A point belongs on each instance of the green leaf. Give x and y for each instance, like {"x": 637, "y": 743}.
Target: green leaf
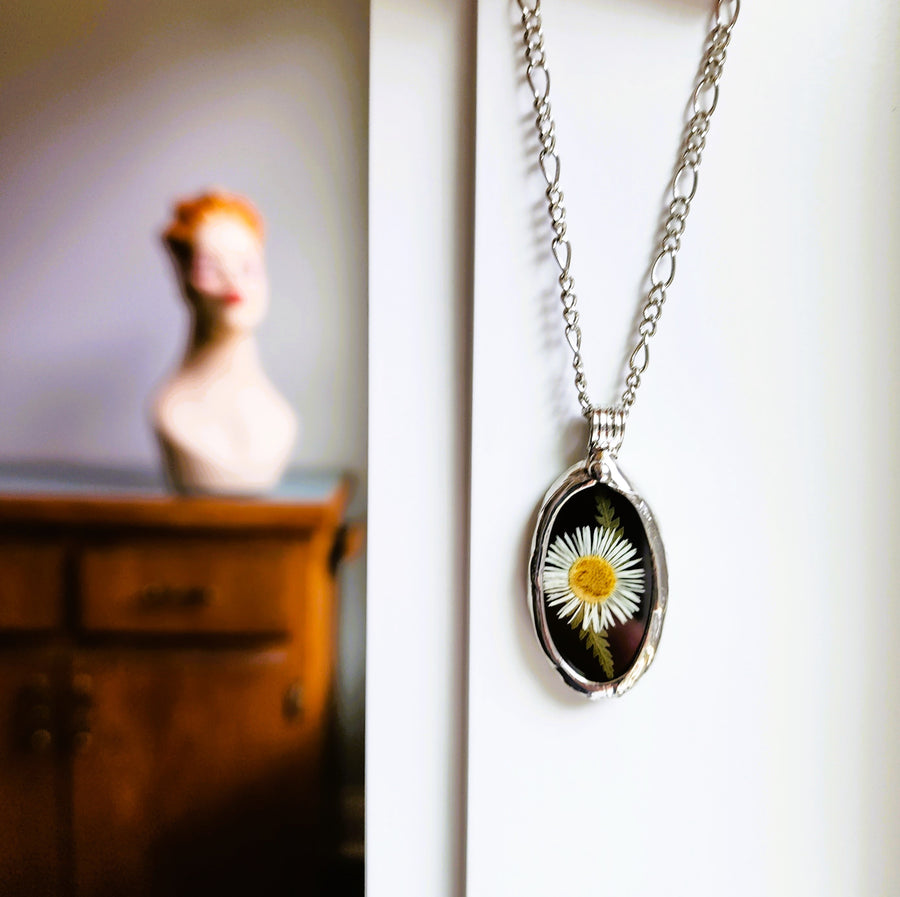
{"x": 606, "y": 516}
{"x": 599, "y": 645}
{"x": 577, "y": 617}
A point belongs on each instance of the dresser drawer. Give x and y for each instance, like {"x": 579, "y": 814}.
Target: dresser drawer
{"x": 31, "y": 585}
{"x": 191, "y": 585}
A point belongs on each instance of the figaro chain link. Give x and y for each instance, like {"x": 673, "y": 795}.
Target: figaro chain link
{"x": 682, "y": 192}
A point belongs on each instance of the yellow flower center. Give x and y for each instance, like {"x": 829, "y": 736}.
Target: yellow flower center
{"x": 592, "y": 579}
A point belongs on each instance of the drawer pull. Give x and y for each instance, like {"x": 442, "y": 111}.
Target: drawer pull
{"x": 81, "y": 705}
{"x": 292, "y": 703}
{"x": 35, "y": 713}
{"x": 41, "y": 741}
{"x": 158, "y": 597}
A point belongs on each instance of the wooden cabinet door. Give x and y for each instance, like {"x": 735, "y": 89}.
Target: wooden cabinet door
{"x": 198, "y": 773}
{"x": 32, "y": 779}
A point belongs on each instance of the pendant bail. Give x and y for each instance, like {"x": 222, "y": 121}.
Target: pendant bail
{"x": 607, "y": 432}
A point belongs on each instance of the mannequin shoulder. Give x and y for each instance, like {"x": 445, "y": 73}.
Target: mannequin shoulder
{"x": 174, "y": 406}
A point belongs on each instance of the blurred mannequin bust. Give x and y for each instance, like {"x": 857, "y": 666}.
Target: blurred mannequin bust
{"x": 222, "y": 425}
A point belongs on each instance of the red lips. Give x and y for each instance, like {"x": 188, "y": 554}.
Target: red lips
{"x": 231, "y": 298}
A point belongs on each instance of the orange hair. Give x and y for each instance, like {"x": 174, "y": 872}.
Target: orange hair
{"x": 191, "y": 213}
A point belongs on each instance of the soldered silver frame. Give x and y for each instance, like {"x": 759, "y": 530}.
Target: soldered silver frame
{"x": 577, "y": 478}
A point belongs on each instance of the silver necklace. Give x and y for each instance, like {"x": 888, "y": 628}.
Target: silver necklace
{"x": 598, "y": 569}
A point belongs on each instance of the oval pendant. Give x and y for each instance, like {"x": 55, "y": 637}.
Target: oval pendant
{"x": 598, "y": 580}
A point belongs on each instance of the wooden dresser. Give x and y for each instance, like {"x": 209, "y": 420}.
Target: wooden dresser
{"x": 166, "y": 671}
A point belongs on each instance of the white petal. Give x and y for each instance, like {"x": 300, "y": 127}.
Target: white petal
{"x": 620, "y": 553}
{"x": 633, "y": 563}
{"x": 606, "y": 620}
{"x": 621, "y": 616}
{"x": 631, "y": 594}
{"x": 606, "y": 542}
{"x": 568, "y": 543}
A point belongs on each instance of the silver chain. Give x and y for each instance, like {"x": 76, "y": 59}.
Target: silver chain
{"x": 683, "y": 190}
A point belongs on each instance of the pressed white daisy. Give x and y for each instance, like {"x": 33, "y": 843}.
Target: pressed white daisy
{"x": 590, "y": 578}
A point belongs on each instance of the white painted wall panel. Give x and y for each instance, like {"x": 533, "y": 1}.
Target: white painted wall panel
{"x": 759, "y": 755}
{"x": 420, "y": 274}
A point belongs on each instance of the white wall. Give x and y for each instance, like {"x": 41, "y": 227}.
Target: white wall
{"x": 111, "y": 110}
{"x": 760, "y": 753}
{"x": 420, "y": 172}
